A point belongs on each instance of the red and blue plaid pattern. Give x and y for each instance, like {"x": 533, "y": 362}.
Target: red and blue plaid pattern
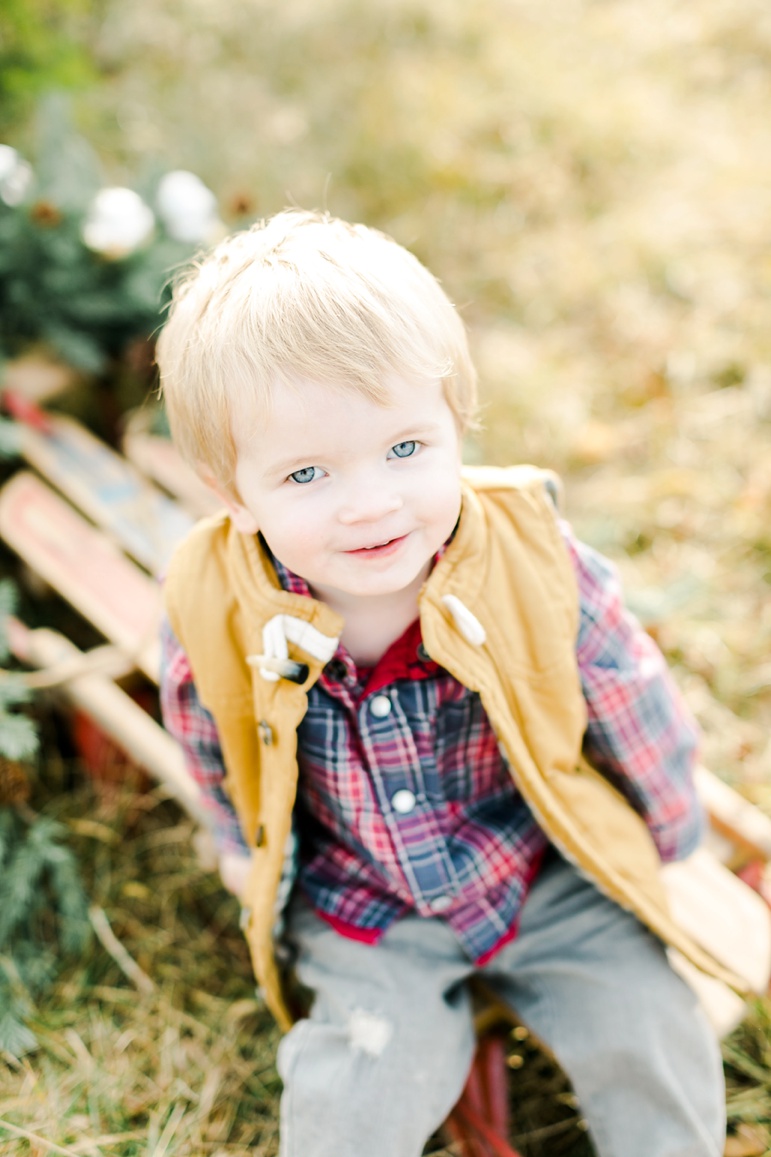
{"x": 405, "y": 803}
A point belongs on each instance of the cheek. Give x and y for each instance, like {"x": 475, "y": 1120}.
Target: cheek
{"x": 440, "y": 497}
{"x": 293, "y": 532}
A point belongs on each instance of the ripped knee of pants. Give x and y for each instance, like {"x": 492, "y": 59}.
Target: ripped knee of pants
{"x": 368, "y": 1032}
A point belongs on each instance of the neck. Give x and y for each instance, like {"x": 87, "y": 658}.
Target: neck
{"x": 373, "y": 623}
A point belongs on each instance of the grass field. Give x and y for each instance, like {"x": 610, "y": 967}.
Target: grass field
{"x": 592, "y": 183}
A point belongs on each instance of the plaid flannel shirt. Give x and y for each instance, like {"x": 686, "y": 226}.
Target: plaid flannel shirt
{"x": 405, "y": 803}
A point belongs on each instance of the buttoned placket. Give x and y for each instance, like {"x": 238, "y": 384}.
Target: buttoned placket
{"x": 398, "y": 772}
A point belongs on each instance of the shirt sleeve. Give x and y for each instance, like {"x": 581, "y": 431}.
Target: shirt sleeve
{"x": 186, "y": 718}
{"x": 639, "y": 733}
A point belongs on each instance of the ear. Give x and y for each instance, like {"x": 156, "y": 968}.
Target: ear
{"x": 241, "y": 518}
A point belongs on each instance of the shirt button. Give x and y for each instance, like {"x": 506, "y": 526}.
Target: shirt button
{"x": 380, "y": 706}
{"x": 440, "y": 904}
{"x": 403, "y": 801}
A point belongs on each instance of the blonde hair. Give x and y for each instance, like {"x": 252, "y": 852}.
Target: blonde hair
{"x": 302, "y": 297}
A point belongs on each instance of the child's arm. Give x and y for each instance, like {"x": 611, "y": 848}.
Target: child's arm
{"x": 193, "y": 727}
{"x": 639, "y": 732}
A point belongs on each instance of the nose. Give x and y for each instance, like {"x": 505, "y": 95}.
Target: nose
{"x": 369, "y": 501}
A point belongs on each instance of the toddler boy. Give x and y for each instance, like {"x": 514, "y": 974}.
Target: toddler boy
{"x": 433, "y": 743}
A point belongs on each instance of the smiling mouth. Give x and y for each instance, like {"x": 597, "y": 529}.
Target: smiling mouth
{"x": 378, "y": 547}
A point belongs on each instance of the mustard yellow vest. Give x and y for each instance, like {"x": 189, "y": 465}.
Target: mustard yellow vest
{"x": 499, "y": 612}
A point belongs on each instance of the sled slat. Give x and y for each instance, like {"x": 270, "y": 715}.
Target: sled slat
{"x": 114, "y": 712}
{"x": 727, "y": 918}
{"x": 84, "y": 566}
{"x": 733, "y": 816}
{"x": 107, "y": 488}
{"x": 158, "y": 459}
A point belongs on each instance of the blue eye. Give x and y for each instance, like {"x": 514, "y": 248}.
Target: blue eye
{"x": 404, "y": 449}
{"x": 307, "y": 474}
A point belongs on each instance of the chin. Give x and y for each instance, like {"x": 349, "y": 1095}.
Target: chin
{"x": 378, "y": 586}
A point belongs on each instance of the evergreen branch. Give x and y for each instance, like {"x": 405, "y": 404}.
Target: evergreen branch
{"x": 72, "y": 903}
{"x": 15, "y": 1004}
{"x": 8, "y": 604}
{"x": 18, "y": 736}
{"x": 36, "y": 964}
{"x": 19, "y": 897}
{"x": 39, "y": 875}
{"x": 15, "y": 1037}
{"x": 14, "y": 689}
{"x": 9, "y": 438}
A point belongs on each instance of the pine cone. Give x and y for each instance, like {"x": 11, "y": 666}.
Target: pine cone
{"x": 14, "y": 785}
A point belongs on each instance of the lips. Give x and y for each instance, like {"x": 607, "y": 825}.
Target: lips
{"x": 378, "y": 548}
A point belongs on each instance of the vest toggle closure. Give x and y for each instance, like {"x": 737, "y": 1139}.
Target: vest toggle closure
{"x": 273, "y": 669}
{"x": 274, "y": 663}
{"x": 468, "y": 624}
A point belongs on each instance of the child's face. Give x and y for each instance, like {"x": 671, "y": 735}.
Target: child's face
{"x": 354, "y": 496}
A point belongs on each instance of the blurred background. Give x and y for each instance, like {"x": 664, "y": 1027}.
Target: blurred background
{"x": 591, "y": 182}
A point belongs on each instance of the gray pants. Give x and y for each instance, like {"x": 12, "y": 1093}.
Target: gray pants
{"x": 384, "y": 1055}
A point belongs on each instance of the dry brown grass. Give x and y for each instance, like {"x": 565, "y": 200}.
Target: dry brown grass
{"x": 183, "y": 1069}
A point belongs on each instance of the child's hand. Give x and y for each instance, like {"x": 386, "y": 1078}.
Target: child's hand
{"x": 233, "y": 871}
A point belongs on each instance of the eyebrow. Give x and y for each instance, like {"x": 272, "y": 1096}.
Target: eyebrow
{"x": 414, "y": 432}
{"x": 287, "y": 466}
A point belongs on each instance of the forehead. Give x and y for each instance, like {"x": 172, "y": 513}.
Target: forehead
{"x": 306, "y": 414}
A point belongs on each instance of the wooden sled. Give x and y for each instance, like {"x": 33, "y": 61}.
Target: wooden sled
{"x": 98, "y": 528}
{"x": 100, "y": 548}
